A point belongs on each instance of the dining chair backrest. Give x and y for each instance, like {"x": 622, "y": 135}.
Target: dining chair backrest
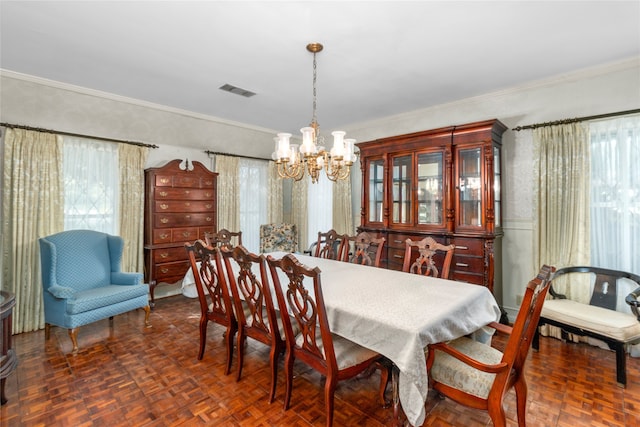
{"x": 328, "y": 244}
{"x": 254, "y": 305}
{"x": 223, "y": 238}
{"x": 308, "y": 311}
{"x": 363, "y": 249}
{"x": 429, "y": 251}
{"x": 213, "y": 294}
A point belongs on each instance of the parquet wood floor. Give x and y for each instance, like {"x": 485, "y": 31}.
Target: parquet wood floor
{"x": 134, "y": 376}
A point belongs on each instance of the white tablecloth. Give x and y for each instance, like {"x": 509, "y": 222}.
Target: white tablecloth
{"x": 397, "y": 314}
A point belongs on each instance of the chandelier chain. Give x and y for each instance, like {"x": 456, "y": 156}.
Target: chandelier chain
{"x": 315, "y": 67}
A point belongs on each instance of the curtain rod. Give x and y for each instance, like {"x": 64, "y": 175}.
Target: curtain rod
{"x": 99, "y": 138}
{"x": 235, "y": 155}
{"x": 574, "y": 120}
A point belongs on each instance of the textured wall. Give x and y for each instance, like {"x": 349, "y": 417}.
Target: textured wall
{"x": 615, "y": 87}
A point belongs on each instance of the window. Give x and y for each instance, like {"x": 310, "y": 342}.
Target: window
{"x": 254, "y": 179}
{"x": 91, "y": 185}
{"x": 320, "y": 207}
{"x": 615, "y": 193}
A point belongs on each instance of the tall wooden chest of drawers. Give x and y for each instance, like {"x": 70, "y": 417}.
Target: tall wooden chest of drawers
{"x": 180, "y": 206}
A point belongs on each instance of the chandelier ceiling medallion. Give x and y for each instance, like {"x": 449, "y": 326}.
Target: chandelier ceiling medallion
{"x": 311, "y": 156}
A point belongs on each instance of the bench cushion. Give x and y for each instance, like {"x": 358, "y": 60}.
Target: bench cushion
{"x": 614, "y": 324}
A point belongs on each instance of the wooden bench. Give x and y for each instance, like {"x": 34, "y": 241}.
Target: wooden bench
{"x": 605, "y": 317}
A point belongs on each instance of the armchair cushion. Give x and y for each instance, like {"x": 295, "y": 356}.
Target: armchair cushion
{"x": 620, "y": 326}
{"x": 62, "y": 292}
{"x": 109, "y": 295}
{"x": 451, "y": 371}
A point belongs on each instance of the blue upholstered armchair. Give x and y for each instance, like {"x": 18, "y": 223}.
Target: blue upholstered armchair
{"x": 83, "y": 283}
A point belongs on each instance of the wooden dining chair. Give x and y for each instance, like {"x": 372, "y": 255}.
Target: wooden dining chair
{"x": 254, "y": 307}
{"x": 328, "y": 244}
{"x": 223, "y": 238}
{"x": 477, "y": 375}
{"x": 362, "y": 249}
{"x": 425, "y": 262}
{"x": 213, "y": 294}
{"x": 334, "y": 357}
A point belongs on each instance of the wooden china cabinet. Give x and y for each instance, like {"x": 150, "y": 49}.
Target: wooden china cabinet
{"x": 443, "y": 183}
{"x": 180, "y": 206}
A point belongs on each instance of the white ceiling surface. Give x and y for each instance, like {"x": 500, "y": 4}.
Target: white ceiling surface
{"x": 380, "y": 59}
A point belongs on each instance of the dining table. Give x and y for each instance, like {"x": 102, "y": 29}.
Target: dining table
{"x": 398, "y": 314}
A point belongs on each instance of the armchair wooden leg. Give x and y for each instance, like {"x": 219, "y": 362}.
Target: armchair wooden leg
{"x": 73, "y": 334}
{"x": 47, "y": 331}
{"x": 111, "y": 322}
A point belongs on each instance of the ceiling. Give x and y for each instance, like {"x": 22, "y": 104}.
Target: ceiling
{"x": 379, "y": 59}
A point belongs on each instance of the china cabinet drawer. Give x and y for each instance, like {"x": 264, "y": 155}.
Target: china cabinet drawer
{"x": 468, "y": 246}
{"x": 467, "y": 263}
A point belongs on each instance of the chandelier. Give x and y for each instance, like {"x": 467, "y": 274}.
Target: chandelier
{"x": 294, "y": 160}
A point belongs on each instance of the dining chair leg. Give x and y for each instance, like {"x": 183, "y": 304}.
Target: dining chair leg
{"x": 385, "y": 369}
{"x": 273, "y": 362}
{"x": 231, "y": 331}
{"x": 240, "y": 344}
{"x": 288, "y": 373}
{"x": 521, "y": 400}
{"x": 497, "y": 415}
{"x": 203, "y": 336}
{"x": 329, "y": 391}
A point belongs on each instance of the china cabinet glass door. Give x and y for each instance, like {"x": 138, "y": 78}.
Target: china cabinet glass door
{"x": 469, "y": 191}
{"x": 376, "y": 190}
{"x": 496, "y": 185}
{"x": 429, "y": 196}
{"x": 401, "y": 172}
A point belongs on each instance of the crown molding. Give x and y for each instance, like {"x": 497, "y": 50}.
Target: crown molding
{"x": 132, "y": 101}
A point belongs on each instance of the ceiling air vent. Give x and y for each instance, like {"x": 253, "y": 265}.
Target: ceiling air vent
{"x": 238, "y": 91}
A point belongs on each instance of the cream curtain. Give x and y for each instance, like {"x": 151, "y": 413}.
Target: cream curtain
{"x": 561, "y": 203}
{"x": 561, "y": 200}
{"x": 299, "y": 212}
{"x": 32, "y": 207}
{"x": 131, "y": 162}
{"x": 342, "y": 212}
{"x": 274, "y": 192}
{"x": 228, "y": 188}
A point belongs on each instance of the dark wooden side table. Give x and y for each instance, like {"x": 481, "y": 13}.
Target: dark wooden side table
{"x": 8, "y": 359}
